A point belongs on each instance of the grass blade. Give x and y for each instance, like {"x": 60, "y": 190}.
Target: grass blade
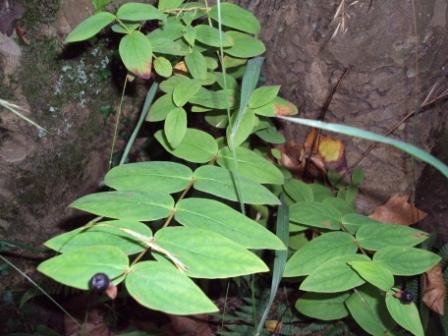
{"x": 359, "y": 133}
{"x": 282, "y": 232}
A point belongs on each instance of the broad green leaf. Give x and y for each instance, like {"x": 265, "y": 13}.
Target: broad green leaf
{"x": 159, "y": 176}
{"x": 215, "y": 216}
{"x": 406, "y": 260}
{"x": 207, "y": 254}
{"x": 263, "y": 95}
{"x": 175, "y": 126}
{"x": 267, "y": 110}
{"x": 197, "y": 146}
{"x": 160, "y": 109}
{"x": 190, "y": 35}
{"x": 210, "y": 79}
{"x": 141, "y": 206}
{"x": 76, "y": 267}
{"x": 171, "y": 83}
{"x": 353, "y": 221}
{"x": 134, "y": 11}
{"x": 118, "y": 28}
{"x": 100, "y": 4}
{"x": 368, "y": 308}
{"x": 322, "y": 306}
{"x": 320, "y": 192}
{"x": 251, "y": 165}
{"x": 245, "y": 128}
{"x": 298, "y": 190}
{"x": 212, "y": 63}
{"x": 169, "y": 4}
{"x": 162, "y": 287}
{"x": 234, "y": 16}
{"x": 112, "y": 233}
{"x": 163, "y": 67}
{"x": 184, "y": 91}
{"x": 406, "y": 315}
{"x": 136, "y": 53}
{"x": 196, "y": 64}
{"x": 375, "y": 273}
{"x": 334, "y": 276}
{"x": 193, "y": 11}
{"x": 377, "y": 236}
{"x": 90, "y": 27}
{"x": 356, "y": 132}
{"x": 220, "y": 99}
{"x": 210, "y": 36}
{"x": 233, "y": 62}
{"x": 343, "y": 206}
{"x": 230, "y": 81}
{"x": 316, "y": 214}
{"x": 318, "y": 251}
{"x": 244, "y": 46}
{"x": 168, "y": 47}
{"x": 220, "y": 182}
{"x": 271, "y": 135}
{"x": 283, "y": 107}
{"x": 217, "y": 119}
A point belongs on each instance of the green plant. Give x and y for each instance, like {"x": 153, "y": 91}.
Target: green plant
{"x": 203, "y": 58}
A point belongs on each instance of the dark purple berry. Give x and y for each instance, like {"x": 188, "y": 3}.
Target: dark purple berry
{"x": 99, "y": 282}
{"x": 406, "y": 297}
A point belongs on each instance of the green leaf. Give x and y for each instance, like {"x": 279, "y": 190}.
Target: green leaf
{"x": 104, "y": 233}
{"x": 171, "y": 83}
{"x": 244, "y": 46}
{"x": 283, "y": 107}
{"x": 185, "y": 90}
{"x": 220, "y": 182}
{"x": 217, "y": 119}
{"x": 271, "y": 135}
{"x": 163, "y": 67}
{"x": 190, "y": 35}
{"x": 90, "y": 27}
{"x": 142, "y": 206}
{"x": 117, "y": 28}
{"x": 233, "y": 62}
{"x": 406, "y": 315}
{"x": 377, "y": 236}
{"x": 160, "y": 109}
{"x": 267, "y": 110}
{"x": 162, "y": 287}
{"x": 320, "y": 192}
{"x": 136, "y": 53}
{"x": 210, "y": 36}
{"x": 343, "y": 206}
{"x": 334, "y": 276}
{"x": 168, "y": 46}
{"x": 356, "y": 132}
{"x": 100, "y": 4}
{"x": 406, "y": 260}
{"x": 375, "y": 273}
{"x": 263, "y": 95}
{"x": 207, "y": 254}
{"x": 133, "y": 11}
{"x": 76, "y": 267}
{"x": 251, "y": 165}
{"x": 367, "y": 307}
{"x": 169, "y": 4}
{"x": 196, "y": 64}
{"x": 175, "y": 126}
{"x": 316, "y": 214}
{"x": 159, "y": 176}
{"x": 197, "y": 146}
{"x": 234, "y": 16}
{"x": 353, "y": 221}
{"x": 321, "y": 306}
{"x": 298, "y": 190}
{"x": 245, "y": 128}
{"x": 221, "y": 99}
{"x": 207, "y": 214}
{"x": 318, "y": 251}
{"x": 230, "y": 81}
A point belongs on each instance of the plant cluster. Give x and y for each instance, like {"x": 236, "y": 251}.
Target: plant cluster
{"x": 201, "y": 214}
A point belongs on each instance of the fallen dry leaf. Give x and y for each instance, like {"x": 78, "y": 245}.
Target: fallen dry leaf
{"x": 331, "y": 150}
{"x": 398, "y": 210}
{"x": 434, "y": 290}
{"x": 273, "y": 326}
{"x": 181, "y": 67}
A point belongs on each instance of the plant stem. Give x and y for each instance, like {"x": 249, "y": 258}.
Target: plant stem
{"x": 117, "y": 121}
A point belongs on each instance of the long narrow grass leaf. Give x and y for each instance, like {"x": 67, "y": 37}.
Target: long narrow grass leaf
{"x": 279, "y": 261}
{"x": 359, "y": 133}
{"x": 16, "y": 110}
{"x": 148, "y": 102}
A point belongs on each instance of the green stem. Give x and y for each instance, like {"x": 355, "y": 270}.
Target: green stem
{"x": 117, "y": 121}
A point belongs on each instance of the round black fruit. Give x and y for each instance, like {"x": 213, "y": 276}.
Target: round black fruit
{"x": 406, "y": 297}
{"x": 99, "y": 282}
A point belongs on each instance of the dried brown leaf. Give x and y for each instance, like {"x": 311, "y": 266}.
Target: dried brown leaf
{"x": 434, "y": 290}
{"x": 397, "y": 210}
